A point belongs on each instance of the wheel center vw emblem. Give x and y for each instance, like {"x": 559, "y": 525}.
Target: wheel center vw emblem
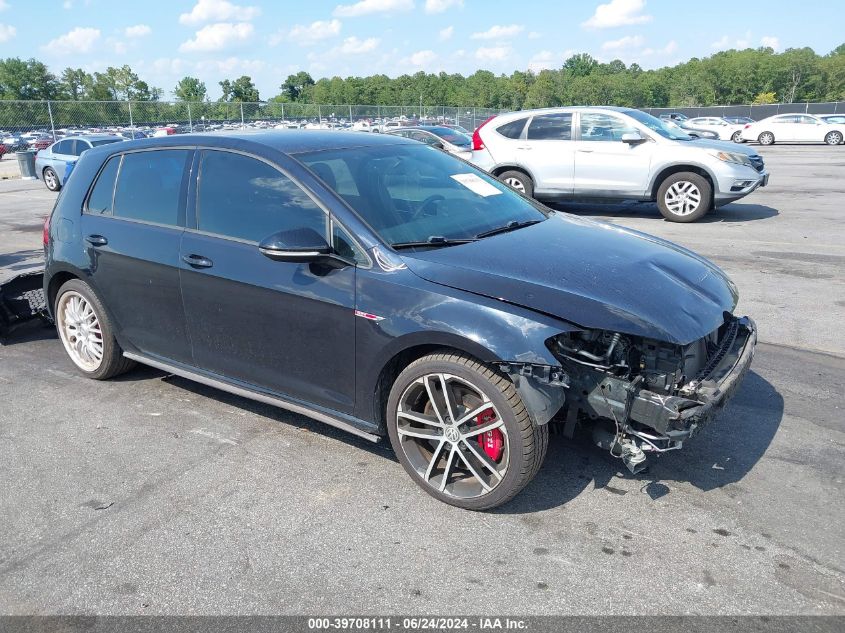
{"x": 452, "y": 434}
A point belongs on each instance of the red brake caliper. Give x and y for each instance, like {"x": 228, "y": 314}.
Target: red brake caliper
{"x": 492, "y": 442}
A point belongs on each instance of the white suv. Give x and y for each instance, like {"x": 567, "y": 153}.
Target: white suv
{"x": 615, "y": 154}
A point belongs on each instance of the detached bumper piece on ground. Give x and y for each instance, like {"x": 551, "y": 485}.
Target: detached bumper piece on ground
{"x": 21, "y": 294}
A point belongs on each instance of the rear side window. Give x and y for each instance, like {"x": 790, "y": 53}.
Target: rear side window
{"x": 63, "y": 147}
{"x": 550, "y": 127}
{"x": 512, "y": 129}
{"x": 100, "y": 201}
{"x": 149, "y": 186}
{"x": 247, "y": 199}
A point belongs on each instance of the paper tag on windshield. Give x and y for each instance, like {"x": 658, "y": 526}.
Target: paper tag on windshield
{"x": 476, "y": 185}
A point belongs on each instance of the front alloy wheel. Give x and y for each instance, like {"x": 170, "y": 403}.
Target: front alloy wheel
{"x": 462, "y": 433}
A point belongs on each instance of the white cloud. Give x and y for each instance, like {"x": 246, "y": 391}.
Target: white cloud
{"x": 670, "y": 48}
{"x": 3, "y": 5}
{"x": 117, "y": 47}
{"x": 7, "y": 32}
{"x": 67, "y": 4}
{"x": 544, "y": 60}
{"x": 770, "y": 41}
{"x": 447, "y": 33}
{"x": 139, "y": 30}
{"x": 629, "y": 41}
{"x": 422, "y": 58}
{"x": 354, "y": 46}
{"x": 499, "y": 32}
{"x": 310, "y": 34}
{"x": 439, "y": 6}
{"x": 618, "y": 13}
{"x": 215, "y": 37}
{"x": 534, "y": 35}
{"x": 725, "y": 42}
{"x": 218, "y": 11}
{"x": 366, "y": 7}
{"x": 79, "y": 40}
{"x": 492, "y": 53}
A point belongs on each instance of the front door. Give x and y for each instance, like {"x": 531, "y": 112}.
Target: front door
{"x": 285, "y": 327}
{"x": 131, "y": 233}
{"x": 606, "y": 166}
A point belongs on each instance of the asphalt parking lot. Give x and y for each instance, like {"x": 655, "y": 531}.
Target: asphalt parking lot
{"x": 151, "y": 494}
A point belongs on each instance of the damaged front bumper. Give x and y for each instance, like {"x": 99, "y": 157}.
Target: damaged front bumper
{"x": 680, "y": 416}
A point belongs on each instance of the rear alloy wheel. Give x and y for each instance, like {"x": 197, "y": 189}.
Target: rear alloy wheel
{"x": 86, "y": 332}
{"x": 766, "y": 138}
{"x": 684, "y": 197}
{"x": 51, "y": 180}
{"x": 518, "y": 181}
{"x": 462, "y": 433}
{"x": 736, "y": 137}
{"x": 833, "y": 138}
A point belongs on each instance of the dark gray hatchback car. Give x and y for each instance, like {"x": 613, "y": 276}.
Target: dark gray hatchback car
{"x": 389, "y": 289}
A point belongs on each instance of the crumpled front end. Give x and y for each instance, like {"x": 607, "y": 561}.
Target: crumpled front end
{"x": 645, "y": 396}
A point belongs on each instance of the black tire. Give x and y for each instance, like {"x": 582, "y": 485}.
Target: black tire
{"x": 736, "y": 137}
{"x": 766, "y": 138}
{"x": 519, "y": 181}
{"x": 51, "y": 180}
{"x": 833, "y": 138}
{"x": 526, "y": 443}
{"x": 668, "y": 194}
{"x": 112, "y": 362}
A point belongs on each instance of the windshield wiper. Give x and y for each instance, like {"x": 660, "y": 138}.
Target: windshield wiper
{"x": 510, "y": 226}
{"x": 433, "y": 241}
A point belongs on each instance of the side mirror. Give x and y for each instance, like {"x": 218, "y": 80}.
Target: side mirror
{"x": 632, "y": 138}
{"x": 303, "y": 246}
{"x": 692, "y": 133}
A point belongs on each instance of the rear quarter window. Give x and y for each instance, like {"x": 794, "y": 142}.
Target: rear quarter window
{"x": 512, "y": 129}
{"x": 149, "y": 186}
{"x": 100, "y": 200}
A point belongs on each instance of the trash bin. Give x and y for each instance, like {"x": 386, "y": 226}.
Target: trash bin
{"x": 26, "y": 163}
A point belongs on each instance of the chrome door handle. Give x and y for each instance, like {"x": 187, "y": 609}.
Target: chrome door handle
{"x": 586, "y": 151}
{"x": 524, "y": 147}
{"x": 197, "y": 261}
{"x": 96, "y": 240}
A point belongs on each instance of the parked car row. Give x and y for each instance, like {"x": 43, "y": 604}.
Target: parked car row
{"x": 796, "y": 128}
{"x": 51, "y": 164}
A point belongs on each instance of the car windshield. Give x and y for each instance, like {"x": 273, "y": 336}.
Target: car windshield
{"x": 415, "y": 194}
{"x": 663, "y": 128}
{"x": 104, "y": 141}
{"x": 452, "y": 136}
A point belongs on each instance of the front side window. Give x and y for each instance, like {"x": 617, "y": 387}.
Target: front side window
{"x": 550, "y": 127}
{"x": 247, "y": 199}
{"x": 149, "y": 186}
{"x": 603, "y": 127}
{"x": 100, "y": 201}
{"x": 411, "y": 193}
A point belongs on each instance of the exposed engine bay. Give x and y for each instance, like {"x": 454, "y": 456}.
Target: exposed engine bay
{"x": 639, "y": 395}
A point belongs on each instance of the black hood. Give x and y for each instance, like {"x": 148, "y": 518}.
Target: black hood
{"x": 595, "y": 275}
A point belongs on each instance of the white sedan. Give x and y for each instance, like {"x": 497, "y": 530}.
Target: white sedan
{"x": 794, "y": 128}
{"x": 727, "y": 131}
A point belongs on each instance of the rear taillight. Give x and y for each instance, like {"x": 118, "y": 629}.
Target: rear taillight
{"x": 477, "y": 143}
{"x": 747, "y": 125}
{"x": 45, "y": 236}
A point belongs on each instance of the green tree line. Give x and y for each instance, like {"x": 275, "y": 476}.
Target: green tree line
{"x": 730, "y": 77}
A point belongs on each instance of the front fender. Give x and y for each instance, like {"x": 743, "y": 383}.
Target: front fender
{"x": 427, "y": 314}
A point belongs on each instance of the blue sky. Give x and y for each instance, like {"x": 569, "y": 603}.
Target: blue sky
{"x": 163, "y": 40}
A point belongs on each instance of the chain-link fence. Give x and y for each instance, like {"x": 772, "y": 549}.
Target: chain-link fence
{"x": 54, "y": 119}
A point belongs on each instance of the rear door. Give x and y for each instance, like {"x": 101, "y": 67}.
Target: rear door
{"x": 286, "y": 327}
{"x": 548, "y": 151}
{"x": 808, "y": 129}
{"x": 604, "y": 165}
{"x": 132, "y": 225}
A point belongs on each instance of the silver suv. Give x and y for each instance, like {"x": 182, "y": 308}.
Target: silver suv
{"x": 615, "y": 154}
